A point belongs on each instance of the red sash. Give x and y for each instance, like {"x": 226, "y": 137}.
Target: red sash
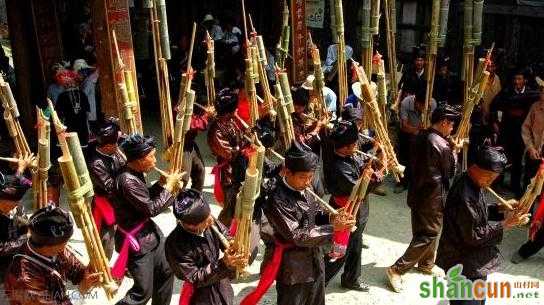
{"x": 130, "y": 242}
{"x": 538, "y": 219}
{"x": 103, "y": 212}
{"x": 217, "y": 188}
{"x": 187, "y": 291}
{"x": 340, "y": 239}
{"x": 268, "y": 275}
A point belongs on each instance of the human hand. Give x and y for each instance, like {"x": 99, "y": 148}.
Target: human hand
{"x": 533, "y": 153}
{"x": 25, "y": 162}
{"x": 513, "y": 220}
{"x": 233, "y": 260}
{"x": 342, "y": 221}
{"x": 90, "y": 280}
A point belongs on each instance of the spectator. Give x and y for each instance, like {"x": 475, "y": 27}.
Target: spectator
{"x": 532, "y": 133}
{"x": 55, "y": 89}
{"x": 89, "y": 74}
{"x": 210, "y": 24}
{"x": 414, "y": 77}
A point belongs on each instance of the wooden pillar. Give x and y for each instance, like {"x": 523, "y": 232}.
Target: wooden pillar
{"x": 109, "y": 15}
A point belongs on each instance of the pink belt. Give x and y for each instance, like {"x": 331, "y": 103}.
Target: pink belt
{"x": 130, "y": 242}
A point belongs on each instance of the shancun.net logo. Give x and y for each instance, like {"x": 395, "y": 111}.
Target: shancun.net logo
{"x": 457, "y": 287}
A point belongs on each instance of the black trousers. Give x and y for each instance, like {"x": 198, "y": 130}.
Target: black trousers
{"x": 406, "y": 142}
{"x": 107, "y": 236}
{"x": 530, "y": 248}
{"x": 426, "y": 227}
{"x": 227, "y": 213}
{"x": 196, "y": 169}
{"x": 352, "y": 260}
{"x": 312, "y": 293}
{"x": 153, "y": 279}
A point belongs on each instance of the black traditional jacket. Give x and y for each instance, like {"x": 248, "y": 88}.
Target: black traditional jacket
{"x": 292, "y": 217}
{"x": 134, "y": 204}
{"x": 195, "y": 259}
{"x": 103, "y": 169}
{"x": 13, "y": 229}
{"x": 34, "y": 279}
{"x": 433, "y": 166}
{"x": 468, "y": 237}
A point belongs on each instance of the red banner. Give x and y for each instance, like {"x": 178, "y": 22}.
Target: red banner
{"x": 299, "y": 36}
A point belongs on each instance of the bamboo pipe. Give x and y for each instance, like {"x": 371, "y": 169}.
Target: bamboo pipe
{"x": 341, "y": 58}
{"x": 224, "y": 241}
{"x": 534, "y": 189}
{"x": 366, "y": 37}
{"x": 434, "y": 38}
{"x": 327, "y": 207}
{"x": 391, "y": 50}
{"x": 508, "y": 204}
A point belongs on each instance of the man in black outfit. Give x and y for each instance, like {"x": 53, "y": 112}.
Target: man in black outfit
{"x": 468, "y": 237}
{"x": 134, "y": 206}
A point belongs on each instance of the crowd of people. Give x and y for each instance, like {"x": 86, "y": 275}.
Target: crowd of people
{"x": 306, "y": 245}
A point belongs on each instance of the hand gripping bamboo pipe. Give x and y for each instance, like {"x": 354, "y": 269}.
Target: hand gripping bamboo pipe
{"x": 11, "y": 117}
{"x": 78, "y": 182}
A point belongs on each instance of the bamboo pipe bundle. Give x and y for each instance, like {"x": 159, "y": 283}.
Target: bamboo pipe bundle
{"x": 475, "y": 96}
{"x": 319, "y": 81}
{"x": 468, "y": 47}
{"x": 285, "y": 120}
{"x": 432, "y": 51}
{"x": 160, "y": 6}
{"x": 358, "y": 193}
{"x": 259, "y": 52}
{"x": 478, "y": 8}
{"x": 251, "y": 91}
{"x": 11, "y": 117}
{"x": 282, "y": 48}
{"x": 76, "y": 177}
{"x": 40, "y": 174}
{"x": 376, "y": 123}
{"x": 534, "y": 189}
{"x": 161, "y": 46}
{"x": 210, "y": 70}
{"x": 375, "y": 17}
{"x": 126, "y": 90}
{"x": 390, "y": 25}
{"x": 382, "y": 92}
{"x": 444, "y": 14}
{"x": 341, "y": 49}
{"x": 366, "y": 36}
{"x": 286, "y": 91}
{"x": 245, "y": 202}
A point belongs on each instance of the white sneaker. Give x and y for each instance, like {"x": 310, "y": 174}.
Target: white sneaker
{"x": 395, "y": 279}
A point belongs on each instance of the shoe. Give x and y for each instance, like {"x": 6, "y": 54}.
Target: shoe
{"x": 516, "y": 258}
{"x": 365, "y": 245}
{"x": 360, "y": 286}
{"x": 395, "y": 279}
{"x": 434, "y": 271}
{"x": 379, "y": 191}
{"x": 399, "y": 188}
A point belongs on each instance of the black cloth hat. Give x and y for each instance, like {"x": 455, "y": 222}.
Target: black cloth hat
{"x": 50, "y": 226}
{"x": 418, "y": 52}
{"x": 226, "y": 101}
{"x": 12, "y": 188}
{"x": 137, "y": 146}
{"x": 445, "y": 112}
{"x": 190, "y": 207}
{"x": 301, "y": 96}
{"x": 350, "y": 113}
{"x": 108, "y": 133}
{"x": 443, "y": 61}
{"x": 300, "y": 158}
{"x": 491, "y": 159}
{"x": 345, "y": 133}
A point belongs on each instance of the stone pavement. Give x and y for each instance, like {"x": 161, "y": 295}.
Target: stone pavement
{"x": 388, "y": 234}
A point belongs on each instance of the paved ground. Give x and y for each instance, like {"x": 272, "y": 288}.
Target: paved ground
{"x": 387, "y": 234}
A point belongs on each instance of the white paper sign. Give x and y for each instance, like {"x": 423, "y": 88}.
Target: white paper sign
{"x": 315, "y": 13}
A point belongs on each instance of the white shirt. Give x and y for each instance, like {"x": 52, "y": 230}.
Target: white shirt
{"x": 332, "y": 55}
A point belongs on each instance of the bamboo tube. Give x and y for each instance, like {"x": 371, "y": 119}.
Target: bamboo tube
{"x": 391, "y": 48}
{"x": 326, "y": 206}
{"x": 534, "y": 189}
{"x": 432, "y": 51}
{"x": 376, "y": 123}
{"x": 282, "y": 48}
{"x": 222, "y": 238}
{"x": 163, "y": 25}
{"x": 444, "y": 14}
{"x": 80, "y": 187}
{"x": 210, "y": 69}
{"x": 478, "y": 8}
{"x": 319, "y": 81}
{"x": 286, "y": 91}
{"x": 382, "y": 92}
{"x": 509, "y": 204}
{"x": 341, "y": 58}
{"x": 11, "y": 116}
{"x": 285, "y": 120}
{"x": 366, "y": 36}
{"x": 375, "y": 17}
{"x": 251, "y": 91}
